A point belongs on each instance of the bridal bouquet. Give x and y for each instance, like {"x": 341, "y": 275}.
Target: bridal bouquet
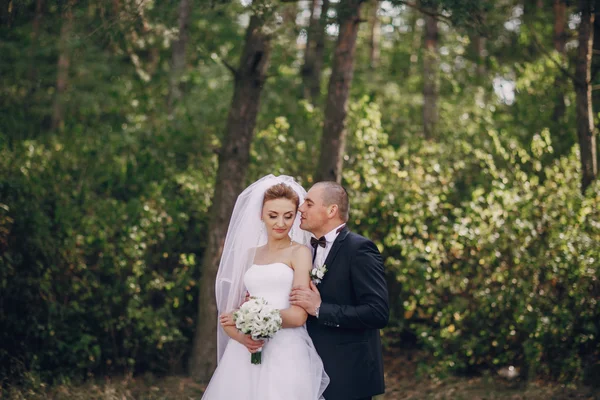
{"x": 259, "y": 320}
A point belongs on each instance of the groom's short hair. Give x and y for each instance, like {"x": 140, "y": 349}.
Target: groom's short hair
{"x": 334, "y": 193}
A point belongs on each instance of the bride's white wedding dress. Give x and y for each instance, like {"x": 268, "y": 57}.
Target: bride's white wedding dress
{"x": 291, "y": 369}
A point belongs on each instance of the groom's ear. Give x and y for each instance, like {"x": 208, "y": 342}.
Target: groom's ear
{"x": 333, "y": 210}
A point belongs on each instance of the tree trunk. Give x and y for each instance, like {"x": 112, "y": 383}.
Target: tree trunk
{"x": 479, "y": 44}
{"x": 321, "y": 35}
{"x": 179, "y": 52}
{"x": 35, "y": 34}
{"x": 6, "y": 12}
{"x": 64, "y": 61}
{"x": 334, "y": 132}
{"x": 314, "y": 51}
{"x": 583, "y": 91}
{"x": 560, "y": 41}
{"x": 309, "y": 50}
{"x": 596, "y": 57}
{"x": 233, "y": 163}
{"x": 430, "y": 78}
{"x": 375, "y": 35}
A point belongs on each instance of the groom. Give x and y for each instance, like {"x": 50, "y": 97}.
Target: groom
{"x": 350, "y": 304}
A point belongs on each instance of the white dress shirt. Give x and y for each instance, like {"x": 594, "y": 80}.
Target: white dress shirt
{"x": 322, "y": 252}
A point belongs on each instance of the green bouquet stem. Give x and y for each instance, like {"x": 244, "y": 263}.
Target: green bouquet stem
{"x": 256, "y": 358}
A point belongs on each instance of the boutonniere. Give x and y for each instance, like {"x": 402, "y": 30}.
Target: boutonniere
{"x": 317, "y": 274}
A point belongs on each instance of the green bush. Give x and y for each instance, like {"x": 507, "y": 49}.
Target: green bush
{"x": 99, "y": 239}
{"x": 491, "y": 251}
{"x": 492, "y": 257}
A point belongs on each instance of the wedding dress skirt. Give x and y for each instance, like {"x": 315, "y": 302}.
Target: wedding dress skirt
{"x": 290, "y": 369}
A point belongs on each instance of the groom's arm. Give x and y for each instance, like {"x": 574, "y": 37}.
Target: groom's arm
{"x": 370, "y": 290}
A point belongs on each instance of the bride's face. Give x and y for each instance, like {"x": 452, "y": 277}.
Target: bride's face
{"x": 278, "y": 216}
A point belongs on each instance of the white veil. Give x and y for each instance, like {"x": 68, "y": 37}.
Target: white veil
{"x": 244, "y": 235}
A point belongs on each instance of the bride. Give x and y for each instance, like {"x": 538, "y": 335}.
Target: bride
{"x": 265, "y": 254}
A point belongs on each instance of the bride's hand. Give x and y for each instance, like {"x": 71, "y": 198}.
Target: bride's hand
{"x": 252, "y": 345}
{"x": 226, "y": 320}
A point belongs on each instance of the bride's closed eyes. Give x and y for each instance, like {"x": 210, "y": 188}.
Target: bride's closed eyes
{"x": 279, "y": 212}
{"x": 287, "y": 216}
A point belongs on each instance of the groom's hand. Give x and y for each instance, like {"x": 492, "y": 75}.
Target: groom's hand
{"x": 307, "y": 298}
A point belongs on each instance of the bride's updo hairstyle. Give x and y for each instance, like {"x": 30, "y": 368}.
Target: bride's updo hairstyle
{"x": 281, "y": 191}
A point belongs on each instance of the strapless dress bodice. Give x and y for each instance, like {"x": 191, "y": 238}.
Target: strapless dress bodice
{"x": 272, "y": 282}
{"x": 291, "y": 368}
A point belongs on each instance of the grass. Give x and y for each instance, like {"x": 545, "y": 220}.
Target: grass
{"x": 401, "y": 380}
{"x": 403, "y": 383}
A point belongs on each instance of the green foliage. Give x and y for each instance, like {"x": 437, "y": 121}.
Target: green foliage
{"x": 491, "y": 251}
{"x": 98, "y": 267}
{"x": 494, "y": 256}
{"x": 287, "y": 149}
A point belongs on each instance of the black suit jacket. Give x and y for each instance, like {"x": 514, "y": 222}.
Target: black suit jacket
{"x": 354, "y": 307}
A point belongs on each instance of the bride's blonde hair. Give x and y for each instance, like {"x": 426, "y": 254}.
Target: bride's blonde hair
{"x": 281, "y": 191}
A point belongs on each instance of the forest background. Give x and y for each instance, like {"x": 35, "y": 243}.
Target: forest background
{"x": 464, "y": 131}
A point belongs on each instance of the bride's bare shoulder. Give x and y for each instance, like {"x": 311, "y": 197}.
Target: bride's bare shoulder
{"x": 295, "y": 246}
{"x": 300, "y": 250}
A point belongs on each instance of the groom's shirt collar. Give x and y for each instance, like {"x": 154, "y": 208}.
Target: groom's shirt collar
{"x": 333, "y": 234}
{"x": 329, "y": 238}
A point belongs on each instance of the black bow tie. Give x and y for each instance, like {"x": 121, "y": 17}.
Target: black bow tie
{"x": 314, "y": 242}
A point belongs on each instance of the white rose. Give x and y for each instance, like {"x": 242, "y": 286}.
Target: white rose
{"x": 255, "y": 309}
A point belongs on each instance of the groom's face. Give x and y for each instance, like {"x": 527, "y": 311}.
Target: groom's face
{"x": 313, "y": 213}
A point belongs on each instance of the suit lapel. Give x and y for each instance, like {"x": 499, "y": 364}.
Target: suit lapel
{"x": 336, "y": 246}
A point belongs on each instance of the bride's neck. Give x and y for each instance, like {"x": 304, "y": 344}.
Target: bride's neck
{"x": 278, "y": 244}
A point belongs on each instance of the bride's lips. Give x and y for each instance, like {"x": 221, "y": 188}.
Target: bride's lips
{"x": 279, "y": 230}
